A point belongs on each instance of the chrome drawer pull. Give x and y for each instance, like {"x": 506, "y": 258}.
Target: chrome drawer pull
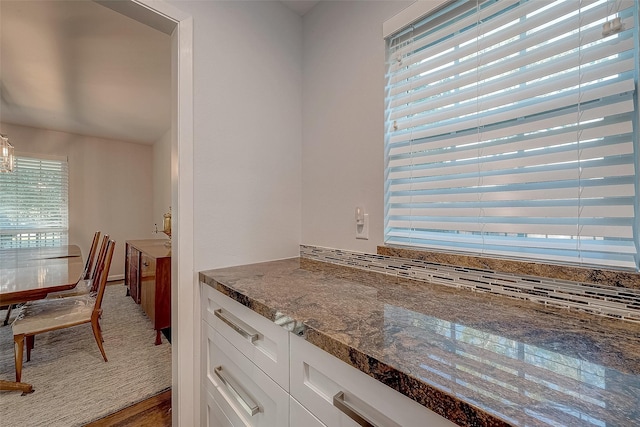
{"x": 238, "y": 393}
{"x": 239, "y": 326}
{"x": 350, "y": 411}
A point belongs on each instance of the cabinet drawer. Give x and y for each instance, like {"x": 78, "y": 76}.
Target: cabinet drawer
{"x": 246, "y": 395}
{"x": 300, "y": 417}
{"x": 337, "y": 393}
{"x": 147, "y": 266}
{"x": 213, "y": 415}
{"x": 262, "y": 341}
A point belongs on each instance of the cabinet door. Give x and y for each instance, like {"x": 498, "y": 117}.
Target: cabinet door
{"x": 127, "y": 269}
{"x": 245, "y": 394}
{"x": 133, "y": 277}
{"x": 340, "y": 395}
{"x": 148, "y": 287}
{"x": 162, "y": 293}
{"x": 300, "y": 417}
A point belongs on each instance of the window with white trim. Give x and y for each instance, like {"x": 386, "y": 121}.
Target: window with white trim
{"x": 34, "y": 203}
{"x": 512, "y": 131}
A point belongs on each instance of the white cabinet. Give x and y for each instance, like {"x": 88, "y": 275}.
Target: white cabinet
{"x": 257, "y": 374}
{"x": 341, "y": 396}
{"x": 300, "y": 417}
{"x": 213, "y": 415}
{"x": 262, "y": 341}
{"x": 243, "y": 392}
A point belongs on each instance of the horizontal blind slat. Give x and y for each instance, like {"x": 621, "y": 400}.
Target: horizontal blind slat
{"x": 602, "y": 63}
{"x": 512, "y": 113}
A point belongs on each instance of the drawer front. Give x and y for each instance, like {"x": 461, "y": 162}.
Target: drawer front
{"x": 245, "y": 394}
{"x": 300, "y": 417}
{"x": 147, "y": 266}
{"x": 338, "y": 394}
{"x": 262, "y": 341}
{"x": 213, "y": 415}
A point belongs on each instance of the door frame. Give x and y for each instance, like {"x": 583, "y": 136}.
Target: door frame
{"x": 185, "y": 306}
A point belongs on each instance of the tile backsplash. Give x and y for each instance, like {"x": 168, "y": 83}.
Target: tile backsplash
{"x": 610, "y": 301}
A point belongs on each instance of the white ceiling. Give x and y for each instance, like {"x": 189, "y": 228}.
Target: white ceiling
{"x": 300, "y": 6}
{"x": 79, "y": 67}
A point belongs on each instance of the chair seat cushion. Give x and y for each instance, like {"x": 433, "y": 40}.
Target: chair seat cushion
{"x": 49, "y": 314}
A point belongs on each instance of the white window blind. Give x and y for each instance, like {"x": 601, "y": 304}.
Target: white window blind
{"x": 511, "y": 130}
{"x": 34, "y": 204}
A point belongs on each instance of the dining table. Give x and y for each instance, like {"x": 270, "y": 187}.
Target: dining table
{"x": 28, "y": 274}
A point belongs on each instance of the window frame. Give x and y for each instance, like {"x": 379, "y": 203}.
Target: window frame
{"x": 399, "y": 25}
{"x": 47, "y": 200}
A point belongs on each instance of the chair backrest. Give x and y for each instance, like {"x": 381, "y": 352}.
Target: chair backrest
{"x": 98, "y": 265}
{"x": 92, "y": 253}
{"x": 103, "y": 274}
{"x": 95, "y": 275}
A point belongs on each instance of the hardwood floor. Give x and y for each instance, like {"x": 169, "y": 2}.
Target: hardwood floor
{"x": 153, "y": 412}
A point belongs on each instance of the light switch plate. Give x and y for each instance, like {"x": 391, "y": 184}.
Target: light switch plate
{"x": 362, "y": 231}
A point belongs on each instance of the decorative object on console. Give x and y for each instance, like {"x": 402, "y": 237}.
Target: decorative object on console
{"x": 166, "y": 227}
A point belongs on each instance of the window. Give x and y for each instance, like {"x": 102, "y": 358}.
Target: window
{"x": 511, "y": 131}
{"x": 34, "y": 204}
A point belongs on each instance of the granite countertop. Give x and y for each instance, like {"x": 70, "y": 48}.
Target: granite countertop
{"x": 476, "y": 359}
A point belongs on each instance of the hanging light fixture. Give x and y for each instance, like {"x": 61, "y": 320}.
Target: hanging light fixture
{"x": 7, "y": 158}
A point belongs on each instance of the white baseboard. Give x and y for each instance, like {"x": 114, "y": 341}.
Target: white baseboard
{"x": 115, "y": 277}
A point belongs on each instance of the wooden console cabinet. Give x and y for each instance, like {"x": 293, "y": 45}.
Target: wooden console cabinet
{"x": 147, "y": 277}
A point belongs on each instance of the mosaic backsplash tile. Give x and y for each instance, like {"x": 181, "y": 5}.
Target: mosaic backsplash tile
{"x": 614, "y": 302}
{"x": 598, "y": 276}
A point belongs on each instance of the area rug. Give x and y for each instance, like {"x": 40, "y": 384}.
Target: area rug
{"x": 73, "y": 385}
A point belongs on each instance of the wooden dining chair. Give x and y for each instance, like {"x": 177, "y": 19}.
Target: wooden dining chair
{"x": 46, "y": 315}
{"x": 8, "y": 315}
{"x": 85, "y": 286}
{"x": 92, "y": 252}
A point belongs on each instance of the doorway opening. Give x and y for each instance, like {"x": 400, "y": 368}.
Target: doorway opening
{"x": 184, "y": 297}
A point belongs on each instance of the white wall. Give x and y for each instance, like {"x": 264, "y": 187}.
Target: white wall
{"x": 247, "y": 131}
{"x": 109, "y": 185}
{"x": 247, "y": 70}
{"x": 161, "y": 181}
{"x": 343, "y": 114}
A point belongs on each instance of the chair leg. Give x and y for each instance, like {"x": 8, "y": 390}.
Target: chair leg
{"x": 97, "y": 334}
{"x": 30, "y": 342}
{"x": 19, "y": 348}
{"x": 100, "y": 330}
{"x": 6, "y": 319}
{"x": 11, "y": 385}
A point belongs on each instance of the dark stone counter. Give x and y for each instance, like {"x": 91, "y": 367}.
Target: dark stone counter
{"x": 476, "y": 359}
